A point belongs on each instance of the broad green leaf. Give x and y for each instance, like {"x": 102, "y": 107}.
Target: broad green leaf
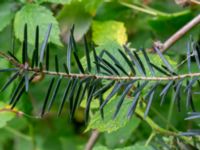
{"x": 68, "y": 142}
{"x": 23, "y": 144}
{"x": 34, "y": 15}
{"x": 5, "y": 116}
{"x": 74, "y": 14}
{"x": 92, "y": 6}
{"x": 123, "y": 134}
{"x": 108, "y": 124}
{"x": 137, "y": 146}
{"x": 108, "y": 32}
{"x": 100, "y": 147}
{"x": 6, "y": 14}
{"x": 95, "y": 102}
{"x": 55, "y": 1}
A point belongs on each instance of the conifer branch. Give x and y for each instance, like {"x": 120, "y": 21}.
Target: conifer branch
{"x": 117, "y": 78}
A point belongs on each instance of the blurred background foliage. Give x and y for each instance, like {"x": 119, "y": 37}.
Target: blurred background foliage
{"x": 109, "y": 24}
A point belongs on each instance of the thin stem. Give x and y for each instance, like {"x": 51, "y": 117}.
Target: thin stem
{"x": 195, "y": 2}
{"x": 92, "y": 140}
{"x": 10, "y": 59}
{"x": 147, "y": 11}
{"x": 153, "y": 12}
{"x": 170, "y": 41}
{"x": 117, "y": 78}
{"x": 163, "y": 119}
{"x": 150, "y": 138}
{"x": 17, "y": 133}
{"x": 184, "y": 61}
{"x": 157, "y": 129}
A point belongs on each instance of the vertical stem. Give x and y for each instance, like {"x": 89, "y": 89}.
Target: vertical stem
{"x": 150, "y": 138}
{"x": 92, "y": 140}
{"x": 17, "y": 133}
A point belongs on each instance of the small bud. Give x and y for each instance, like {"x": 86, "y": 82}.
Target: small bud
{"x": 38, "y": 78}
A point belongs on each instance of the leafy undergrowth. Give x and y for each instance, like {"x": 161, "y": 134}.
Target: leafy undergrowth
{"x": 110, "y": 25}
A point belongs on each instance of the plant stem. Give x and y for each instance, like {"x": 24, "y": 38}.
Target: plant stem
{"x": 147, "y": 11}
{"x": 92, "y": 140}
{"x": 150, "y": 138}
{"x": 116, "y": 78}
{"x": 163, "y": 119}
{"x": 154, "y": 12}
{"x": 156, "y": 128}
{"x": 195, "y": 2}
{"x": 176, "y": 36}
{"x": 17, "y": 133}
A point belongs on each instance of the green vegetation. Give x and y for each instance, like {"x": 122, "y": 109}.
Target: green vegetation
{"x": 106, "y": 25}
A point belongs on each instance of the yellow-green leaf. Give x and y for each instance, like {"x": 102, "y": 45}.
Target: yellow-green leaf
{"x": 5, "y": 115}
{"x": 108, "y": 32}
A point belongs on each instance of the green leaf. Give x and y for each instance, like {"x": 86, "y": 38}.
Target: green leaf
{"x": 123, "y": 134}
{"x": 108, "y": 124}
{"x": 95, "y": 102}
{"x": 34, "y": 15}
{"x": 6, "y": 14}
{"x": 77, "y": 15}
{"x": 100, "y": 147}
{"x": 110, "y": 36}
{"x": 137, "y": 146}
{"x": 91, "y": 6}
{"x": 23, "y": 144}
{"x": 108, "y": 32}
{"x": 55, "y": 1}
{"x": 5, "y": 116}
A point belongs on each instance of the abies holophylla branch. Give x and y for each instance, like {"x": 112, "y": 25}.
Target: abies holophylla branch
{"x": 103, "y": 74}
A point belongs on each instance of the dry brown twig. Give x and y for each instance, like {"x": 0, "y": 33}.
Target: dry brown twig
{"x": 176, "y": 36}
{"x": 185, "y": 3}
{"x": 92, "y": 140}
